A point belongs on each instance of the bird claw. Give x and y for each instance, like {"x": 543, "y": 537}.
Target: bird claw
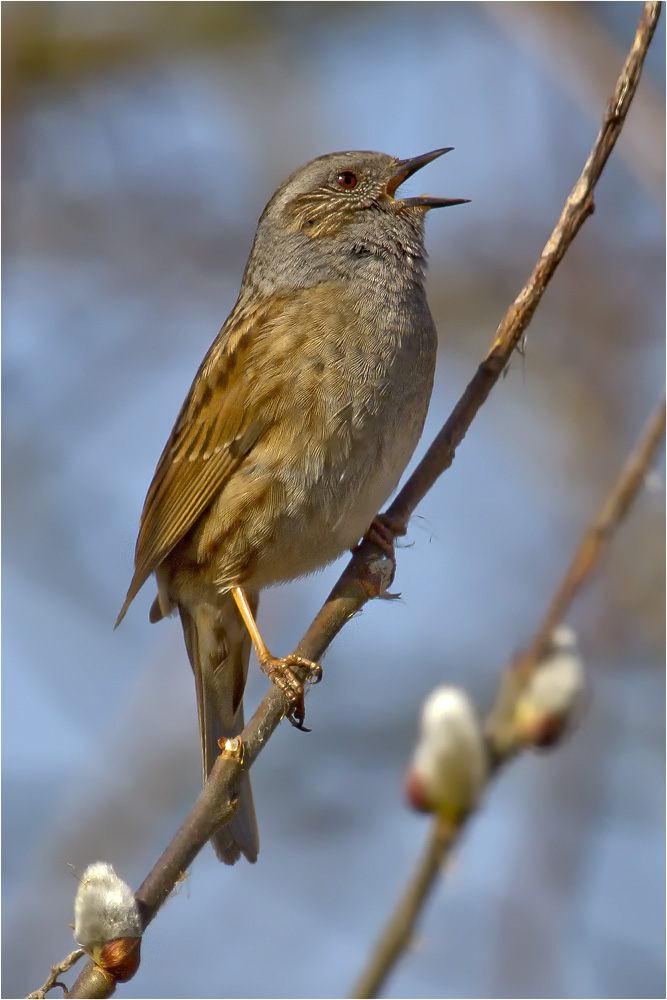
{"x": 383, "y": 532}
{"x": 280, "y": 672}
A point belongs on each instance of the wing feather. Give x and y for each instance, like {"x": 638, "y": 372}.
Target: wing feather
{"x": 214, "y": 431}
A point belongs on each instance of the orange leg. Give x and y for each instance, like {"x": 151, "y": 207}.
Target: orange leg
{"x": 278, "y": 670}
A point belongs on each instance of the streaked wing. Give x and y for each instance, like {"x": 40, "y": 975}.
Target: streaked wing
{"x": 215, "y": 430}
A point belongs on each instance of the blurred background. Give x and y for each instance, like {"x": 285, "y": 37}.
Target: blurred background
{"x": 141, "y": 142}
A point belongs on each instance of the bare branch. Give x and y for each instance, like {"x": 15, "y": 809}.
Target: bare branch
{"x": 570, "y": 43}
{"x": 57, "y": 970}
{"x": 578, "y": 207}
{"x": 586, "y": 558}
{"x": 398, "y": 933}
{"x": 366, "y": 575}
{"x": 594, "y": 543}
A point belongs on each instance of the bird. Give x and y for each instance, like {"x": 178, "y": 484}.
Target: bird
{"x": 297, "y": 428}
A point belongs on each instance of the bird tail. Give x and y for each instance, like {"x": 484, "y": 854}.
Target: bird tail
{"x": 218, "y": 645}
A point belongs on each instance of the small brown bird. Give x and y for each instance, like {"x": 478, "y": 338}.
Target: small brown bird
{"x": 297, "y": 427}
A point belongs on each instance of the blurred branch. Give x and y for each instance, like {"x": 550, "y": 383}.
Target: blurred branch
{"x": 570, "y": 42}
{"x": 398, "y": 933}
{"x": 578, "y": 207}
{"x": 501, "y": 734}
{"x": 368, "y": 572}
{"x": 585, "y": 560}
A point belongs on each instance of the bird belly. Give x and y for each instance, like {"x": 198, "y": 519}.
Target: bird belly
{"x": 312, "y": 488}
{"x": 348, "y": 411}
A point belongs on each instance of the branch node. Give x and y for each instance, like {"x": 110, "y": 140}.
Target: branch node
{"x": 377, "y": 574}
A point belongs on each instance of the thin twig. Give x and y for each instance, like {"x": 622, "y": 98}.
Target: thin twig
{"x": 578, "y": 207}
{"x": 572, "y": 45}
{"x": 593, "y": 544}
{"x": 400, "y": 928}
{"x": 57, "y": 970}
{"x": 366, "y": 574}
{"x": 398, "y": 933}
{"x": 586, "y": 558}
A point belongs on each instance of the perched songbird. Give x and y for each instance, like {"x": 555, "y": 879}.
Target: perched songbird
{"x": 297, "y": 427}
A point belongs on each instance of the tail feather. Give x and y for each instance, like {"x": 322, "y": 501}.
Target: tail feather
{"x": 218, "y": 645}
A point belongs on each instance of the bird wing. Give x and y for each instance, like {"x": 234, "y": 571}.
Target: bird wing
{"x": 215, "y": 429}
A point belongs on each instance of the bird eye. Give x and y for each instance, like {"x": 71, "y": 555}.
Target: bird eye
{"x": 347, "y": 179}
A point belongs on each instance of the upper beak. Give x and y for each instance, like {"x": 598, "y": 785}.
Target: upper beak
{"x": 406, "y": 168}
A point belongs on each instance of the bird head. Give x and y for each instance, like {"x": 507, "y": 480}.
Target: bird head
{"x": 337, "y": 190}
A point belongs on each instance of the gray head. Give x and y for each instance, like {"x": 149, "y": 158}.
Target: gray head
{"x": 337, "y": 216}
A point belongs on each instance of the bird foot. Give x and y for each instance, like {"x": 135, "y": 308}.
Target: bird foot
{"x": 383, "y": 532}
{"x": 280, "y": 672}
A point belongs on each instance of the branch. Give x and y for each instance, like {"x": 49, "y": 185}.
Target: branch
{"x": 588, "y": 554}
{"x": 57, "y": 970}
{"x": 503, "y": 743}
{"x": 572, "y": 45}
{"x": 398, "y": 933}
{"x": 368, "y": 573}
{"x": 578, "y": 207}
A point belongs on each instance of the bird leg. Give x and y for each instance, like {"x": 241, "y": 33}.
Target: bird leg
{"x": 278, "y": 670}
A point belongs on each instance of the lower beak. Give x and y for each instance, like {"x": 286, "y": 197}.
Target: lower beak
{"x": 406, "y": 168}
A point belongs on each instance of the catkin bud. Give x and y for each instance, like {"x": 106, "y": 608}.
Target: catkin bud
{"x": 107, "y": 923}
{"x": 551, "y": 700}
{"x": 448, "y": 770}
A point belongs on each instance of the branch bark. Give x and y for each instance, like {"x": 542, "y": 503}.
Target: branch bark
{"x": 368, "y": 572}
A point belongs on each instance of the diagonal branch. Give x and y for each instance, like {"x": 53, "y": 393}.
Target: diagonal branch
{"x": 588, "y": 554}
{"x": 578, "y": 207}
{"x": 367, "y": 573}
{"x": 443, "y": 836}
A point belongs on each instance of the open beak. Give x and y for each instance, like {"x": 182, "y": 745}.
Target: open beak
{"x": 406, "y": 168}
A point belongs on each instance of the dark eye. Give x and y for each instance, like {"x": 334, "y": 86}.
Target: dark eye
{"x": 347, "y": 179}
